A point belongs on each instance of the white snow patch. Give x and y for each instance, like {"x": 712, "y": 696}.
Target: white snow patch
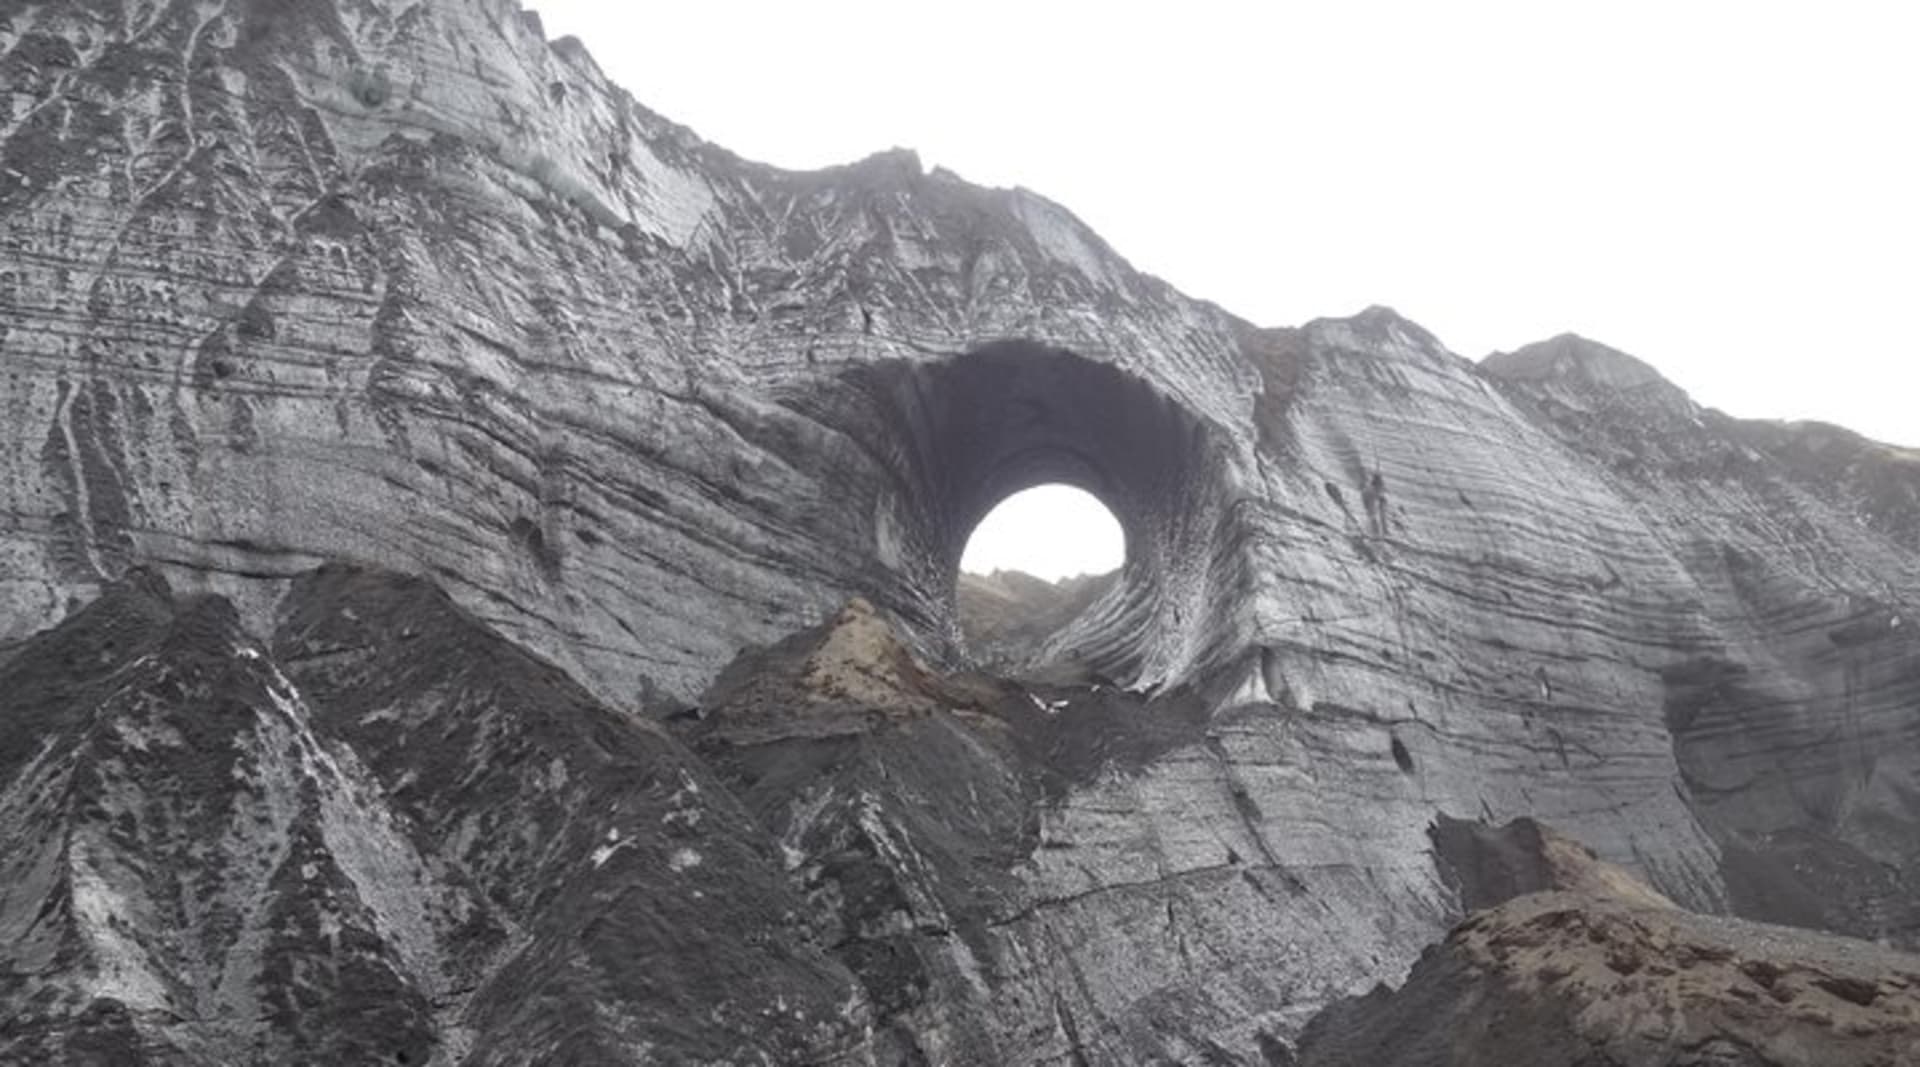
{"x": 122, "y": 969}
{"x": 369, "y": 849}
{"x": 968, "y": 965}
{"x": 1060, "y": 235}
{"x": 142, "y": 736}
{"x": 804, "y": 813}
{"x": 684, "y": 859}
{"x": 677, "y": 202}
{"x": 685, "y": 804}
{"x": 1049, "y": 707}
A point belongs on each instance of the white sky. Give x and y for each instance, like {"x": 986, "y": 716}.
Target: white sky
{"x": 1050, "y": 531}
{"x": 1730, "y": 191}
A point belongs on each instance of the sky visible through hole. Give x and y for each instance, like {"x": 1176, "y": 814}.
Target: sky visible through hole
{"x": 1051, "y": 532}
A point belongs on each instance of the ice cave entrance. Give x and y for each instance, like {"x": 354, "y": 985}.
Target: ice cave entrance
{"x": 1039, "y": 558}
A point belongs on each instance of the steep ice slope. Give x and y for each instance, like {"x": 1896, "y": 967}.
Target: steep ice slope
{"x": 405, "y": 285}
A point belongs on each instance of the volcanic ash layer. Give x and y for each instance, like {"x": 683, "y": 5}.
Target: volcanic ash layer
{"x": 386, "y": 834}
